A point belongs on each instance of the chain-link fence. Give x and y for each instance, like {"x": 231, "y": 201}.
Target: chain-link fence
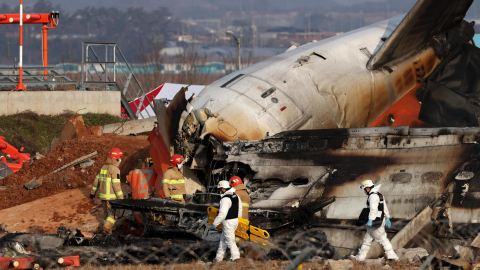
{"x": 307, "y": 247}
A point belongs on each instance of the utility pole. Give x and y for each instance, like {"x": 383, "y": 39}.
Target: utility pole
{"x": 309, "y": 26}
{"x": 230, "y": 34}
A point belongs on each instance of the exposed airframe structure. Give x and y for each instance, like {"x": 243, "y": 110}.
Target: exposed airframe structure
{"x": 305, "y": 127}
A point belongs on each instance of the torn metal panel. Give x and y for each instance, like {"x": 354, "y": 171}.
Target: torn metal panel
{"x": 40, "y": 241}
{"x": 450, "y": 96}
{"x": 163, "y": 121}
{"x": 169, "y": 117}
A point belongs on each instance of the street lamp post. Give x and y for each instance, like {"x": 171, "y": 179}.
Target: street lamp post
{"x": 230, "y": 34}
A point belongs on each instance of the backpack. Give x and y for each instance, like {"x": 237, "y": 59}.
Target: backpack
{"x": 363, "y": 218}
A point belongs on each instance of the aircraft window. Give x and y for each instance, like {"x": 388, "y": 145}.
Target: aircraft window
{"x": 268, "y": 92}
{"x": 275, "y": 100}
{"x": 300, "y": 181}
{"x": 432, "y": 177}
{"x": 401, "y": 178}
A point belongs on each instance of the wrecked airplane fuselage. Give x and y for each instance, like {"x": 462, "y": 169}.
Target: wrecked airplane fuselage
{"x": 318, "y": 100}
{"x": 310, "y": 179}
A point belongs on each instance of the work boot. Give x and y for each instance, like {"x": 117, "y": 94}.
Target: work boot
{"x": 107, "y": 227}
{"x": 391, "y": 255}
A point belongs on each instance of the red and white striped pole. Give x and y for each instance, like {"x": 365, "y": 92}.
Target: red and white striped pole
{"x": 20, "y": 85}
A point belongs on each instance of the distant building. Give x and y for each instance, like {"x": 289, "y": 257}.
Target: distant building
{"x": 172, "y": 52}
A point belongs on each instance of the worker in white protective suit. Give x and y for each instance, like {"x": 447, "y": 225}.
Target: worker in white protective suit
{"x": 230, "y": 210}
{"x": 378, "y": 217}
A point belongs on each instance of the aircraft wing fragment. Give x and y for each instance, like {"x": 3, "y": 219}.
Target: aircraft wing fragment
{"x": 426, "y": 19}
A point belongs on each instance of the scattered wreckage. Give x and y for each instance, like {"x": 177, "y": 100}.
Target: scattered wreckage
{"x": 305, "y": 127}
{"x": 39, "y": 251}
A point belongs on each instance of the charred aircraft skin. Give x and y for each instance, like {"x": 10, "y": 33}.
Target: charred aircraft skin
{"x": 413, "y": 166}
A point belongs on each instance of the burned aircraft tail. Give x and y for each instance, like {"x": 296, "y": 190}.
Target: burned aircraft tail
{"x": 426, "y": 20}
{"x": 449, "y": 96}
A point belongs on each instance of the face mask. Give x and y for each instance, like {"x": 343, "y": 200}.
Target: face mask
{"x": 119, "y": 160}
{"x": 180, "y": 166}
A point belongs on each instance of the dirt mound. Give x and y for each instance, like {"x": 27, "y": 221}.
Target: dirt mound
{"x": 133, "y": 148}
{"x": 74, "y": 128}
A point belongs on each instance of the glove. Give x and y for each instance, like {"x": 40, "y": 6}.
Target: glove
{"x": 388, "y": 223}
{"x": 214, "y": 227}
{"x": 92, "y": 196}
{"x": 369, "y": 223}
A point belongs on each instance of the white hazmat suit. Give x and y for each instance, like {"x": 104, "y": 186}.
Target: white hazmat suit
{"x": 228, "y": 227}
{"x": 374, "y": 233}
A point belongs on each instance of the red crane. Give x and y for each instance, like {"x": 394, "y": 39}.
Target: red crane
{"x": 32, "y": 18}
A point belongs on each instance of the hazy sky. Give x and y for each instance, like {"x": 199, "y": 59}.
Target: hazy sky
{"x": 71, "y": 5}
{"x": 176, "y": 6}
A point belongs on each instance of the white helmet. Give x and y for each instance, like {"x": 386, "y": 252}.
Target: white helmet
{"x": 365, "y": 184}
{"x": 224, "y": 184}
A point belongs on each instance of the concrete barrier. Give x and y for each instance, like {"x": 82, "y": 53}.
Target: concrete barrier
{"x": 57, "y": 102}
{"x": 134, "y": 126}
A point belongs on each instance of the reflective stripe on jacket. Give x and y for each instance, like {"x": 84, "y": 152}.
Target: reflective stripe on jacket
{"x": 107, "y": 182}
{"x": 173, "y": 184}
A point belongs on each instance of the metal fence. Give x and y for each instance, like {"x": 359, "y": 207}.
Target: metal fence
{"x": 307, "y": 249}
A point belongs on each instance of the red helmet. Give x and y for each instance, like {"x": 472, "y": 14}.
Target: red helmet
{"x": 235, "y": 180}
{"x": 116, "y": 153}
{"x": 175, "y": 160}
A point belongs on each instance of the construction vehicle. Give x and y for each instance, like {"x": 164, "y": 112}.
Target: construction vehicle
{"x": 13, "y": 154}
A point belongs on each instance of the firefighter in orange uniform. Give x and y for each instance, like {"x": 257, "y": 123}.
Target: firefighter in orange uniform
{"x": 107, "y": 183}
{"x": 173, "y": 182}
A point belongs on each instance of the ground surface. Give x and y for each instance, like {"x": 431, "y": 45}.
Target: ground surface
{"x": 244, "y": 264}
{"x": 134, "y": 148}
{"x": 35, "y": 132}
{"x": 72, "y": 209}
